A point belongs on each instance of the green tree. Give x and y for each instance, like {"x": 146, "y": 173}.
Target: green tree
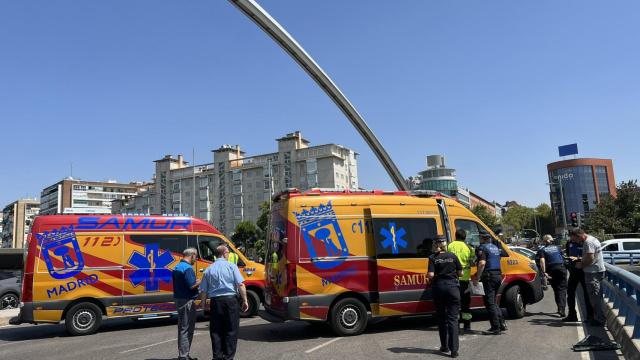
{"x": 517, "y": 218}
{"x": 544, "y": 215}
{"x": 263, "y": 220}
{"x": 617, "y": 215}
{"x": 245, "y": 234}
{"x": 485, "y": 215}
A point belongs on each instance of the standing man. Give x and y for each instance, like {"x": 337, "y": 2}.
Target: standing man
{"x": 593, "y": 265}
{"x": 576, "y": 277}
{"x": 185, "y": 291}
{"x": 221, "y": 283}
{"x": 464, "y": 253}
{"x": 552, "y": 266}
{"x": 489, "y": 272}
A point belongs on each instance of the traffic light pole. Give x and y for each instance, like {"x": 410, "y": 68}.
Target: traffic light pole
{"x": 270, "y": 26}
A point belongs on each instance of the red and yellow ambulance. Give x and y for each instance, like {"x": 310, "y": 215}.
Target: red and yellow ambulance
{"x": 337, "y": 257}
{"x": 81, "y": 268}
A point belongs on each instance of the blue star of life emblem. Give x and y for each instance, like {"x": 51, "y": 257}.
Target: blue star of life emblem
{"x": 151, "y": 267}
{"x": 393, "y": 237}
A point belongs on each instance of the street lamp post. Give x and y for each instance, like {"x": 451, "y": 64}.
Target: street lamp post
{"x": 564, "y": 213}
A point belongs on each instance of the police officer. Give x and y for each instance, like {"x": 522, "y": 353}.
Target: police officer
{"x": 465, "y": 255}
{"x": 552, "y": 266}
{"x": 576, "y": 277}
{"x": 221, "y": 283}
{"x": 490, "y": 274}
{"x": 443, "y": 273}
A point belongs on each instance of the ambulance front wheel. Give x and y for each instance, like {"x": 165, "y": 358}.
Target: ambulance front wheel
{"x": 254, "y": 303}
{"x": 83, "y": 319}
{"x": 514, "y": 302}
{"x": 348, "y": 317}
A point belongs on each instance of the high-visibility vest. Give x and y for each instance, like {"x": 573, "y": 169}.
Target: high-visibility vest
{"x": 233, "y": 258}
{"x": 465, "y": 256}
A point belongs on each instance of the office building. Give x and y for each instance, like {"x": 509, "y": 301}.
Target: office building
{"x": 16, "y": 222}
{"x": 578, "y": 185}
{"x": 72, "y": 196}
{"x": 231, "y": 189}
{"x": 438, "y": 177}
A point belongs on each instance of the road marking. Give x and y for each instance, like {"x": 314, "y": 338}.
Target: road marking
{"x": 583, "y": 354}
{"x": 322, "y": 345}
{"x": 155, "y": 344}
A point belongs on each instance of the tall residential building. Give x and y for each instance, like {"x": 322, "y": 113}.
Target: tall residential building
{"x": 71, "y": 196}
{"x": 16, "y": 222}
{"x": 231, "y": 189}
{"x": 579, "y": 185}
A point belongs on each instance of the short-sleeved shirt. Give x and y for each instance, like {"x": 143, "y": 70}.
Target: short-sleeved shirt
{"x": 491, "y": 254}
{"x": 592, "y": 246}
{"x": 184, "y": 278}
{"x": 465, "y": 255}
{"x": 445, "y": 266}
{"x": 552, "y": 255}
{"x": 221, "y": 279}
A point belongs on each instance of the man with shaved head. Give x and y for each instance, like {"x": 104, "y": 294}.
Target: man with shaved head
{"x": 221, "y": 284}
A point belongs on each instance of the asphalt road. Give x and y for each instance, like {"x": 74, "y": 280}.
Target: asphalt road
{"x": 539, "y": 335}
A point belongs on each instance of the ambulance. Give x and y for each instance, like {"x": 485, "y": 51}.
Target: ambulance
{"x": 81, "y": 268}
{"x": 344, "y": 257}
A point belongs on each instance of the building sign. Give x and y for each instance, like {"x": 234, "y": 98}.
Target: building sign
{"x": 566, "y": 150}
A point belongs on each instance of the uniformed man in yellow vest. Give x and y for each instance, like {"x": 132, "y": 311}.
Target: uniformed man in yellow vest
{"x": 466, "y": 257}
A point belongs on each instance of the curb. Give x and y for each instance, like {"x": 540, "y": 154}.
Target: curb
{"x": 621, "y": 333}
{"x": 6, "y": 315}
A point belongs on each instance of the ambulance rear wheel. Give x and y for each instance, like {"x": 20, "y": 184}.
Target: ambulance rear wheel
{"x": 254, "y": 303}
{"x": 83, "y": 319}
{"x": 348, "y": 317}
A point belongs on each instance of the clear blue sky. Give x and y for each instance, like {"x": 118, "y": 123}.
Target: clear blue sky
{"x": 496, "y": 86}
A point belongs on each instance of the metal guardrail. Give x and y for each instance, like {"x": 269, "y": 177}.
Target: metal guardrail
{"x": 623, "y": 289}
{"x": 620, "y": 257}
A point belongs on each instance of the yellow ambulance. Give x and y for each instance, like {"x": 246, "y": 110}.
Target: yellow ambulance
{"x": 81, "y": 268}
{"x": 340, "y": 257}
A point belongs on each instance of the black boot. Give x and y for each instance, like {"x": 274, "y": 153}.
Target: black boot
{"x": 503, "y": 326}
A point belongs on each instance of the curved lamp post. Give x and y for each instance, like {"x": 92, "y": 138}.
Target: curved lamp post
{"x": 269, "y": 25}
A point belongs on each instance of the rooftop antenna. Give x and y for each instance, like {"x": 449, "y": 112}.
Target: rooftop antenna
{"x": 270, "y": 26}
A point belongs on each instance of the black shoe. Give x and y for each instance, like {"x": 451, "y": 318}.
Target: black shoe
{"x": 570, "y": 318}
{"x": 492, "y": 331}
{"x": 562, "y": 313}
{"x": 503, "y": 327}
{"x": 444, "y": 349}
{"x": 454, "y": 354}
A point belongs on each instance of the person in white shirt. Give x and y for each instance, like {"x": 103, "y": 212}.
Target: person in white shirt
{"x": 593, "y": 265}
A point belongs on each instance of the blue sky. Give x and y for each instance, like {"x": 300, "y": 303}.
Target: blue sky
{"x": 495, "y": 86}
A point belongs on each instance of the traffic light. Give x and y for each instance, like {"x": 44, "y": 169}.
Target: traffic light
{"x": 581, "y": 218}
{"x": 574, "y": 219}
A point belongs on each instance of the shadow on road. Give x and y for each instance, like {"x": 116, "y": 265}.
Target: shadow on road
{"x": 414, "y": 350}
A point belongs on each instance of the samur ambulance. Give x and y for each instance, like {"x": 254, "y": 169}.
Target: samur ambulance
{"x": 81, "y": 268}
{"x": 342, "y": 257}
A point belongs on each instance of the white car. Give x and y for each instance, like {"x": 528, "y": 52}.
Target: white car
{"x": 524, "y": 251}
{"x": 620, "y": 250}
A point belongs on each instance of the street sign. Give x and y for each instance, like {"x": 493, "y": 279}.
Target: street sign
{"x": 565, "y": 150}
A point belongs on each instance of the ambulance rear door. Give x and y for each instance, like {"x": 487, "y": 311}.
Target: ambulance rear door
{"x": 403, "y": 238}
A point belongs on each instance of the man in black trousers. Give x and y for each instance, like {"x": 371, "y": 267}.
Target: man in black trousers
{"x": 221, "y": 283}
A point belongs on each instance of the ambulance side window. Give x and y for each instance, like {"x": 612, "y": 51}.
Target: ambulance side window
{"x": 404, "y": 238}
{"x": 207, "y": 246}
{"x": 472, "y": 229}
{"x": 168, "y": 242}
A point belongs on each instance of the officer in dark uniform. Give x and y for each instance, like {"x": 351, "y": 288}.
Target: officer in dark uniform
{"x": 444, "y": 271}
{"x": 552, "y": 266}
{"x": 576, "y": 277}
{"x": 490, "y": 274}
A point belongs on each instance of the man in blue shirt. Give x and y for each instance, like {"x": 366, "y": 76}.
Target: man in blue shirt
{"x": 221, "y": 283}
{"x": 185, "y": 291}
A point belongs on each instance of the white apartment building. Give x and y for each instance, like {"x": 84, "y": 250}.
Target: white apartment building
{"x": 72, "y": 196}
{"x": 231, "y": 189}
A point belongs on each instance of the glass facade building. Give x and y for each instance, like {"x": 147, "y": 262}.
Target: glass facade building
{"x": 584, "y": 183}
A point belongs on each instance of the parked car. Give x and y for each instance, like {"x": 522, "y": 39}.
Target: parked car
{"x": 620, "y": 250}
{"x": 524, "y": 251}
{"x": 9, "y": 290}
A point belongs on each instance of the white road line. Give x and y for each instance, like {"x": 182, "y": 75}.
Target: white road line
{"x": 583, "y": 354}
{"x": 148, "y": 346}
{"x": 322, "y": 345}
